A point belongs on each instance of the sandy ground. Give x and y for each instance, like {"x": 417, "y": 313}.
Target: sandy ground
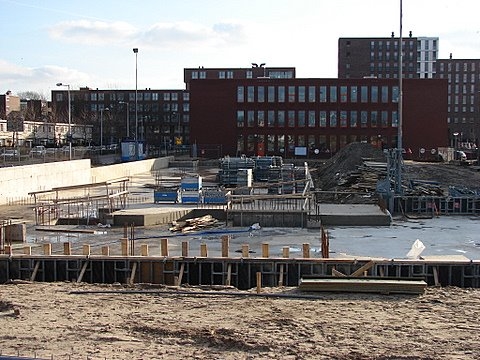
{"x": 49, "y": 321}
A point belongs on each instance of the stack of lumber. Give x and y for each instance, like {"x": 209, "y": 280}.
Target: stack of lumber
{"x": 364, "y": 285}
{"x": 195, "y": 224}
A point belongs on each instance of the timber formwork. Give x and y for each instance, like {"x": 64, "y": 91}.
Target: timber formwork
{"x": 237, "y": 272}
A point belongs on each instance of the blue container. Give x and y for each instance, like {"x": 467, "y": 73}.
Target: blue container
{"x": 165, "y": 196}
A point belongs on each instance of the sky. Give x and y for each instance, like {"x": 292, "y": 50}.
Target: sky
{"x": 90, "y": 43}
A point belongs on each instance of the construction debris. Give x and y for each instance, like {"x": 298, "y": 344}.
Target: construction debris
{"x": 195, "y": 224}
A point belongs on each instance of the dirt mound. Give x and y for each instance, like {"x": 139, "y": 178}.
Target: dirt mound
{"x": 344, "y": 162}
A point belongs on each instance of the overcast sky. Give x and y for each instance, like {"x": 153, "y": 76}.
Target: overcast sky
{"x": 89, "y": 43}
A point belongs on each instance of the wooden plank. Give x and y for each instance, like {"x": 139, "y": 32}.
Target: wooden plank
{"x": 280, "y": 278}
{"x": 354, "y": 284}
{"x": 132, "y": 275}
{"x": 259, "y": 282}
{"x": 229, "y": 275}
{"x": 435, "y": 276}
{"x": 338, "y": 273}
{"x": 35, "y": 270}
{"x": 180, "y": 275}
{"x": 365, "y": 267}
{"x": 82, "y": 272}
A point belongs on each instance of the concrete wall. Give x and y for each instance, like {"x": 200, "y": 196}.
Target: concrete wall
{"x": 16, "y": 182}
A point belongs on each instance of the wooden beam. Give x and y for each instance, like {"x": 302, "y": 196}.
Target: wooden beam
{"x": 35, "y": 270}
{"x": 435, "y": 276}
{"x": 180, "y": 275}
{"x": 338, "y": 273}
{"x": 365, "y": 267}
{"x": 229, "y": 275}
{"x": 132, "y": 275}
{"x": 82, "y": 272}
{"x": 280, "y": 277}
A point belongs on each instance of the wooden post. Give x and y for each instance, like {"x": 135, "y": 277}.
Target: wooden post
{"x": 47, "y": 249}
{"x": 286, "y": 251}
{"x": 124, "y": 246}
{"x": 306, "y": 250}
{"x": 229, "y": 275}
{"x": 67, "y": 248}
{"x": 132, "y": 275}
{"x": 86, "y": 250}
{"x": 203, "y": 250}
{"x": 8, "y": 250}
{"x": 27, "y": 250}
{"x": 144, "y": 249}
{"x": 245, "y": 250}
{"x": 265, "y": 250}
{"x": 185, "y": 248}
{"x": 259, "y": 282}
{"x": 164, "y": 247}
{"x": 105, "y": 250}
{"x": 280, "y": 278}
{"x": 225, "y": 245}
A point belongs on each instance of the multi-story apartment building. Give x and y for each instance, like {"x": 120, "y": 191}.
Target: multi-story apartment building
{"x": 379, "y": 57}
{"x": 314, "y": 117}
{"x": 363, "y": 57}
{"x": 463, "y": 76}
{"x": 8, "y": 103}
{"x": 160, "y": 119}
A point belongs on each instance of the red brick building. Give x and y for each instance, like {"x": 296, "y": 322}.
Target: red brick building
{"x": 314, "y": 117}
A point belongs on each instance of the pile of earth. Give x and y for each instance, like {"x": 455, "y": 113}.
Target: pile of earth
{"x": 346, "y": 161}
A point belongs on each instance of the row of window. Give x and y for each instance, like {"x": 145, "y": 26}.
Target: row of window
{"x": 229, "y": 74}
{"x": 314, "y": 119}
{"x": 323, "y": 94}
{"x": 464, "y": 100}
{"x": 457, "y": 78}
{"x": 141, "y": 96}
{"x": 457, "y": 66}
{"x": 287, "y": 143}
{"x": 146, "y": 107}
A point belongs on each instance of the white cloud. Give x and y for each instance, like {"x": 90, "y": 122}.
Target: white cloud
{"x": 93, "y": 32}
{"x": 17, "y": 78}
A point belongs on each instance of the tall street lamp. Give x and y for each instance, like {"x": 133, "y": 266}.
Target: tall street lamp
{"x": 128, "y": 117}
{"x": 69, "y": 135}
{"x": 101, "y": 128}
{"x": 135, "y": 51}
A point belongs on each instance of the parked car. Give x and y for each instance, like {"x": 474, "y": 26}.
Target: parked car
{"x": 11, "y": 154}
{"x": 38, "y": 150}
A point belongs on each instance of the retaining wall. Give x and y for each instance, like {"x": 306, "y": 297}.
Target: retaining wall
{"x": 16, "y": 182}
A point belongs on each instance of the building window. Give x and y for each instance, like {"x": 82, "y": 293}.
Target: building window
{"x": 101, "y": 97}
{"x": 270, "y": 118}
{"x": 59, "y": 97}
{"x": 364, "y": 94}
{"x": 363, "y": 119}
{"x": 291, "y": 94}
{"x": 373, "y": 118}
{"x": 194, "y": 74}
{"x": 203, "y": 74}
{"x": 261, "y": 118}
{"x": 311, "y": 94}
{"x": 166, "y": 96}
{"x": 93, "y": 97}
{"x": 186, "y": 96}
{"x": 301, "y": 94}
{"x": 250, "y": 94}
{"x": 291, "y": 118}
{"x": 240, "y": 118}
{"x": 301, "y": 140}
{"x": 229, "y": 74}
{"x": 343, "y": 94}
{"x": 186, "y": 107}
{"x": 249, "y": 74}
{"x": 384, "y": 94}
{"x": 240, "y": 94}
{"x": 353, "y": 94}
{"x": 261, "y": 94}
{"x": 395, "y": 94}
{"x": 281, "y": 118}
{"x": 353, "y": 119}
{"x": 333, "y": 94}
{"x": 374, "y": 94}
{"x": 323, "y": 119}
{"x": 271, "y": 94}
{"x": 323, "y": 94}
{"x": 250, "y": 118}
{"x": 301, "y": 118}
{"x": 311, "y": 119}
{"x": 384, "y": 119}
{"x": 270, "y": 143}
{"x": 174, "y": 96}
{"x": 333, "y": 119}
{"x": 395, "y": 119}
{"x": 343, "y": 119}
{"x": 281, "y": 94}
{"x": 221, "y": 75}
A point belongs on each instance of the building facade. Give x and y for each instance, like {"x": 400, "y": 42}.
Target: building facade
{"x": 160, "y": 118}
{"x": 379, "y": 57}
{"x": 314, "y": 117}
{"x": 463, "y": 76}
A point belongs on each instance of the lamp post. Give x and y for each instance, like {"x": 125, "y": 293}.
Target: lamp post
{"x": 135, "y": 51}
{"x": 128, "y": 117}
{"x": 455, "y": 145}
{"x": 101, "y": 129}
{"x": 69, "y": 135}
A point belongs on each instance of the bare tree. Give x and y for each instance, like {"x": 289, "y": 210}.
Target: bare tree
{"x": 31, "y": 95}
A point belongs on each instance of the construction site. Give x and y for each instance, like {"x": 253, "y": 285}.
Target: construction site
{"x": 245, "y": 222}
